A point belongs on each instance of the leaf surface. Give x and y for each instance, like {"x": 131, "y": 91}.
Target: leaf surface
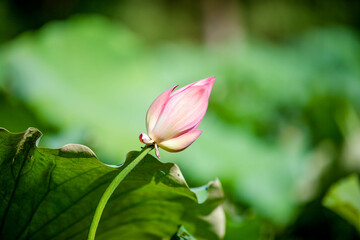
{"x": 53, "y": 193}
{"x": 344, "y": 199}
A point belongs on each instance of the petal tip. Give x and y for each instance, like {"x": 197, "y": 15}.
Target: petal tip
{"x": 210, "y": 80}
{"x": 206, "y": 82}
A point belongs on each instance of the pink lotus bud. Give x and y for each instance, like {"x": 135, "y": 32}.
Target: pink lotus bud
{"x": 173, "y": 117}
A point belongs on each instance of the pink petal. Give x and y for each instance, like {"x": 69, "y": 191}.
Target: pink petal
{"x": 156, "y": 108}
{"x": 183, "y": 111}
{"x": 181, "y": 142}
{"x": 207, "y": 81}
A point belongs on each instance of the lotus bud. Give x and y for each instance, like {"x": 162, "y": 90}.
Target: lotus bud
{"x": 173, "y": 117}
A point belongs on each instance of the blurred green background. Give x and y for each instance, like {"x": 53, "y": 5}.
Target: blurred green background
{"x": 283, "y": 120}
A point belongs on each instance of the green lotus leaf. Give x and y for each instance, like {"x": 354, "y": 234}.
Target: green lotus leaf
{"x": 53, "y": 193}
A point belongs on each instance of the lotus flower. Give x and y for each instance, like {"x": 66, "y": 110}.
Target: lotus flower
{"x": 173, "y": 117}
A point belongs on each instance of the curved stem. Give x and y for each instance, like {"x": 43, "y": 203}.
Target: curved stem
{"x": 111, "y": 188}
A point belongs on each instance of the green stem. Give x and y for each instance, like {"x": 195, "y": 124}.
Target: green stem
{"x": 111, "y": 188}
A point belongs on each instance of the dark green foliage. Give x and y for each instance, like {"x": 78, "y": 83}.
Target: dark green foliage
{"x": 344, "y": 199}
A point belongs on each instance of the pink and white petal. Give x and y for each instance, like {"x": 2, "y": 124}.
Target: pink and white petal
{"x": 181, "y": 113}
{"x": 157, "y": 151}
{"x": 207, "y": 81}
{"x": 181, "y": 142}
{"x": 145, "y": 139}
{"x": 156, "y": 108}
